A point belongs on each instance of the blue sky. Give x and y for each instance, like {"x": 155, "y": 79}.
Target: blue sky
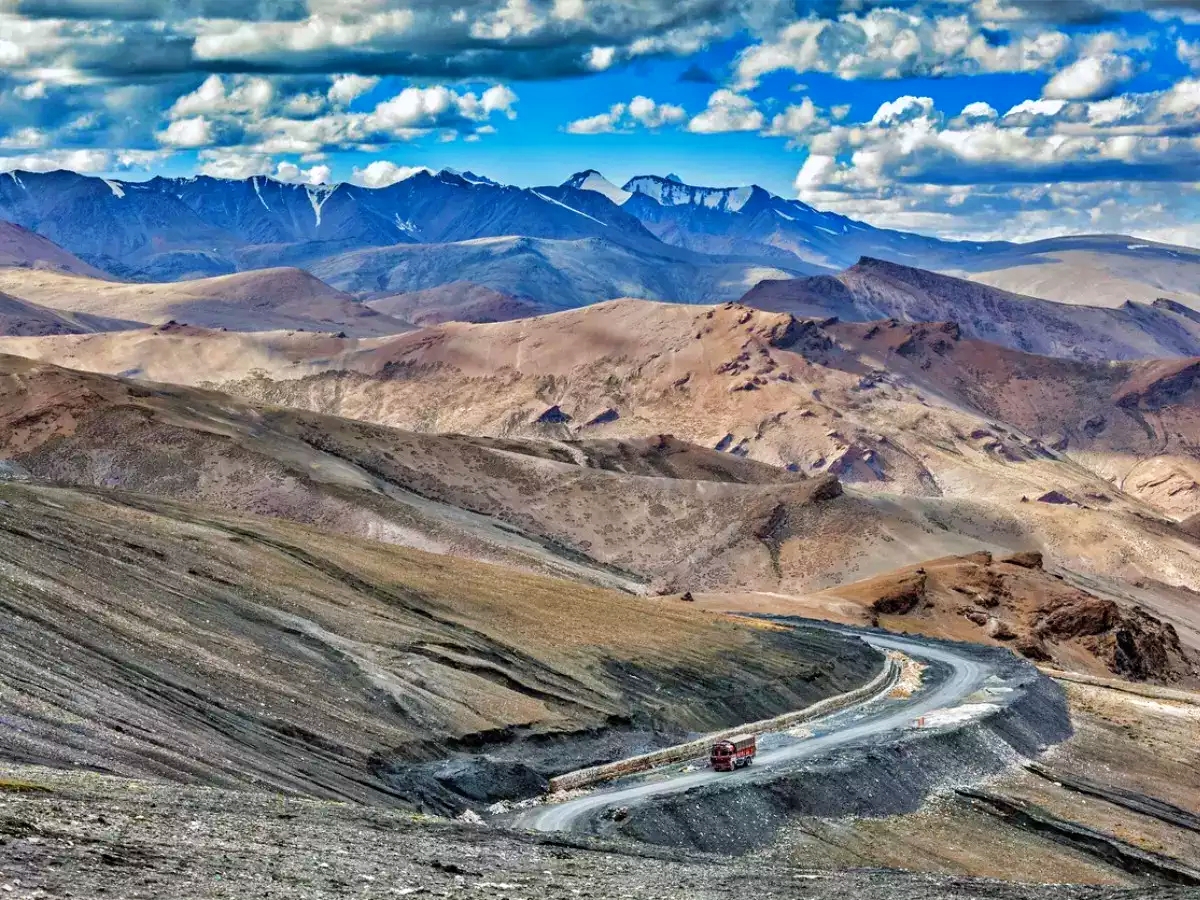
{"x": 965, "y": 118}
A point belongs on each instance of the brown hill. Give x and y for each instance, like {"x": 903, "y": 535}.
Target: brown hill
{"x": 459, "y": 301}
{"x": 158, "y": 638}
{"x": 1007, "y": 601}
{"x": 21, "y": 248}
{"x": 915, "y": 418}
{"x": 263, "y": 300}
{"x": 191, "y": 354}
{"x": 875, "y": 289}
{"x": 19, "y": 318}
{"x": 646, "y": 515}
{"x": 1142, "y": 271}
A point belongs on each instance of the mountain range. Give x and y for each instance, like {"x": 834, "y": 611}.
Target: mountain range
{"x": 555, "y": 247}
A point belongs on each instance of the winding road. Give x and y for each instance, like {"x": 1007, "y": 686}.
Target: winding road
{"x": 964, "y": 677}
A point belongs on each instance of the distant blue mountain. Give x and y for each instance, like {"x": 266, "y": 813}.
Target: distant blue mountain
{"x": 558, "y": 246}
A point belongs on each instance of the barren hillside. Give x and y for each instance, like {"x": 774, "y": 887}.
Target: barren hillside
{"x": 910, "y": 408}
{"x": 156, "y": 638}
{"x": 20, "y": 247}
{"x": 459, "y": 301}
{"x": 1012, "y": 601}
{"x": 263, "y": 300}
{"x": 875, "y": 289}
{"x": 1014, "y": 450}
{"x": 20, "y": 318}
{"x": 657, "y": 515}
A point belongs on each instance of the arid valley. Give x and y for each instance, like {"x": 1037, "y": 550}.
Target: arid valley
{"x": 376, "y": 530}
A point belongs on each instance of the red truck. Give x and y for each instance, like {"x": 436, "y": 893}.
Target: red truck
{"x": 734, "y": 753}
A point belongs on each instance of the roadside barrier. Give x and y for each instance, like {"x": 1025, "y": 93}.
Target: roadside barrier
{"x": 880, "y": 684}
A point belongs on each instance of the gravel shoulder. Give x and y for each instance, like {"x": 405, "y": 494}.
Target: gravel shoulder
{"x": 80, "y": 835}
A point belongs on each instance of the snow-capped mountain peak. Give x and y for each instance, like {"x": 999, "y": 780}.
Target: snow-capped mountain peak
{"x": 591, "y": 180}
{"x": 670, "y": 191}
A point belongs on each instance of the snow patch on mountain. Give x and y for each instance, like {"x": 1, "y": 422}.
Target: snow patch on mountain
{"x": 671, "y": 192}
{"x": 591, "y": 180}
{"x": 117, "y": 190}
{"x": 569, "y": 208}
{"x": 258, "y": 191}
{"x": 318, "y": 196}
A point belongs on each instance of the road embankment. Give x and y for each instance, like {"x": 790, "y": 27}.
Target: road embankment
{"x": 980, "y": 711}
{"x": 582, "y": 778}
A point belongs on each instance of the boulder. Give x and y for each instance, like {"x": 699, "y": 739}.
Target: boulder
{"x": 1026, "y": 559}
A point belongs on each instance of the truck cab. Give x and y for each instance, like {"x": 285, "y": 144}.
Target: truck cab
{"x": 733, "y": 753}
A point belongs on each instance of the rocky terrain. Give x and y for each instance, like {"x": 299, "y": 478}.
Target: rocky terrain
{"x": 876, "y": 289}
{"x": 154, "y": 638}
{"x": 1088, "y": 462}
{"x": 278, "y": 557}
{"x": 1012, "y": 602}
{"x": 656, "y": 515}
{"x": 81, "y": 835}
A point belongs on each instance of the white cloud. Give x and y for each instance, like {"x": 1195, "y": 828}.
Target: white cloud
{"x": 728, "y": 111}
{"x": 799, "y": 120}
{"x": 347, "y": 88}
{"x": 233, "y": 164}
{"x": 248, "y": 96}
{"x": 292, "y": 173}
{"x": 86, "y": 161}
{"x": 978, "y": 173}
{"x": 1089, "y": 77}
{"x": 253, "y": 116}
{"x": 25, "y": 139}
{"x": 1188, "y": 53}
{"x": 893, "y": 43}
{"x": 381, "y": 173}
{"x": 625, "y": 117}
{"x": 187, "y": 133}
{"x": 601, "y": 58}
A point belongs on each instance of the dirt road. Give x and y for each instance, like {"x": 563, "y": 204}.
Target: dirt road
{"x": 956, "y": 676}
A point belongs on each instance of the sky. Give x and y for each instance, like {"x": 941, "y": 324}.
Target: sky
{"x": 976, "y": 119}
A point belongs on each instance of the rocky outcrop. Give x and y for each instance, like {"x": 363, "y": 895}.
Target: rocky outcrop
{"x": 1014, "y": 602}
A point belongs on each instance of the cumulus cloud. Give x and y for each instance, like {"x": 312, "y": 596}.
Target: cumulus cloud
{"x": 347, "y": 88}
{"x": 187, "y": 133}
{"x": 474, "y": 39}
{"x": 86, "y": 161}
{"x": 382, "y": 173}
{"x": 255, "y": 116}
{"x": 640, "y": 112}
{"x": 294, "y": 174}
{"x": 893, "y": 43}
{"x": 914, "y": 166}
{"x": 728, "y": 111}
{"x": 1090, "y": 77}
{"x": 234, "y": 164}
{"x": 801, "y": 120}
{"x": 1188, "y": 53}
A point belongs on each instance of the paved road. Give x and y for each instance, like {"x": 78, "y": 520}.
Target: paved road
{"x": 966, "y": 676}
